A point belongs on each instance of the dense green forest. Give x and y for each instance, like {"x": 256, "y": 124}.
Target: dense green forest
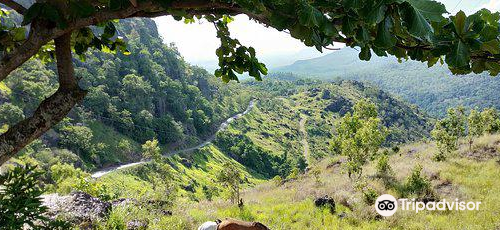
{"x": 151, "y": 93}
{"x": 433, "y": 89}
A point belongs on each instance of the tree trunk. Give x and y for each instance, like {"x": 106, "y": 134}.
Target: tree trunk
{"x": 52, "y": 110}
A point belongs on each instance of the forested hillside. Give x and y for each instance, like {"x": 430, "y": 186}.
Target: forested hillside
{"x": 275, "y": 124}
{"x": 151, "y": 93}
{"x": 433, "y": 89}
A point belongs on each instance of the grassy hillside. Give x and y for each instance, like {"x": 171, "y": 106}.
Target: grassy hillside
{"x": 275, "y": 125}
{"x": 192, "y": 172}
{"x": 432, "y": 89}
{"x": 466, "y": 176}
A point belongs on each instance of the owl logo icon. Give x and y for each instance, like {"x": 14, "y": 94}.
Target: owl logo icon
{"x": 386, "y": 205}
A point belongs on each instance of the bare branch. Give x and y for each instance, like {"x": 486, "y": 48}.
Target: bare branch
{"x": 14, "y": 5}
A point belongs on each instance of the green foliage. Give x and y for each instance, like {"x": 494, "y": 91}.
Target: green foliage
{"x": 383, "y": 167}
{"x": 447, "y": 132}
{"x": 359, "y": 136}
{"x": 315, "y": 172}
{"x": 77, "y": 138}
{"x": 230, "y": 176}
{"x": 408, "y": 79}
{"x": 20, "y": 202}
{"x": 94, "y": 188}
{"x": 243, "y": 150}
{"x": 475, "y": 125}
{"x": 150, "y": 150}
{"x": 10, "y": 114}
{"x": 234, "y": 57}
{"x": 491, "y": 120}
{"x": 417, "y": 184}
{"x": 370, "y": 196}
{"x": 456, "y": 125}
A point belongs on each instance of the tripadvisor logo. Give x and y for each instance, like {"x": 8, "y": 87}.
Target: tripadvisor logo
{"x": 387, "y": 205}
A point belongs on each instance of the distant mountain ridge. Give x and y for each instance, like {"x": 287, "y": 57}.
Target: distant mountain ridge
{"x": 433, "y": 89}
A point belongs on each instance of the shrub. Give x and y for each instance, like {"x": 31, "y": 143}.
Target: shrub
{"x": 418, "y": 185}
{"x": 316, "y": 174}
{"x": 277, "y": 180}
{"x": 370, "y": 195}
{"x": 294, "y": 174}
{"x": 383, "y": 167}
{"x": 20, "y": 202}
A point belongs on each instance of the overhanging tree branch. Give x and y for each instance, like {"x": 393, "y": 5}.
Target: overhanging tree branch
{"x": 52, "y": 110}
{"x": 14, "y": 5}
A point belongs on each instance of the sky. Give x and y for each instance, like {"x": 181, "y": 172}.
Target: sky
{"x": 197, "y": 42}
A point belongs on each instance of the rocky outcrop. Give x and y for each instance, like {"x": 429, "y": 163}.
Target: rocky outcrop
{"x": 340, "y": 105}
{"x": 77, "y": 207}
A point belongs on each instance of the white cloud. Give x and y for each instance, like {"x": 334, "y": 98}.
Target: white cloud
{"x": 493, "y": 5}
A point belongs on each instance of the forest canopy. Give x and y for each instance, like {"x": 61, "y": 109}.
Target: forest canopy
{"x": 415, "y": 29}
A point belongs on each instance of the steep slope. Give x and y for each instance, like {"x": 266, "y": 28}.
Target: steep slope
{"x": 151, "y": 93}
{"x": 432, "y": 89}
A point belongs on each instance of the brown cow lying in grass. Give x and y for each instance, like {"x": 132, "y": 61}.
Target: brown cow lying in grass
{"x": 232, "y": 224}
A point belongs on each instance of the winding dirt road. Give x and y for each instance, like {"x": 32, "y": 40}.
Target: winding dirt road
{"x": 207, "y": 141}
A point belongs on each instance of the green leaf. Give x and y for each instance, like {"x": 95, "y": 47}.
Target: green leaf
{"x": 329, "y": 29}
{"x": 348, "y": 26}
{"x": 352, "y": 4}
{"x": 418, "y": 26}
{"x": 363, "y": 36}
{"x": 365, "y": 54}
{"x": 478, "y": 66}
{"x": 431, "y": 10}
{"x": 489, "y": 33}
{"x": 459, "y": 22}
{"x": 81, "y": 8}
{"x": 384, "y": 37}
{"x": 18, "y": 34}
{"x": 375, "y": 14}
{"x": 109, "y": 30}
{"x": 493, "y": 67}
{"x": 492, "y": 46}
{"x": 310, "y": 16}
{"x": 33, "y": 12}
{"x": 459, "y": 57}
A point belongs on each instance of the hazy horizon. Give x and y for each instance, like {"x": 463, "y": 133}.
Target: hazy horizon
{"x": 197, "y": 42}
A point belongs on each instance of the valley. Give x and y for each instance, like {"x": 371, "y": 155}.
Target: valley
{"x": 160, "y": 143}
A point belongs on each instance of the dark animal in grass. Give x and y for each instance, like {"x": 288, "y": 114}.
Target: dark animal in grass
{"x": 325, "y": 201}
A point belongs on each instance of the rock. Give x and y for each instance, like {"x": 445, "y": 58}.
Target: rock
{"x": 189, "y": 187}
{"x": 186, "y": 162}
{"x": 77, "y": 207}
{"x": 339, "y": 105}
{"x": 124, "y": 202}
{"x": 166, "y": 212}
{"x": 326, "y": 94}
{"x": 137, "y": 225}
{"x": 325, "y": 201}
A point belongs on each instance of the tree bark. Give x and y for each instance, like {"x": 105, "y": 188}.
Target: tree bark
{"x": 52, "y": 110}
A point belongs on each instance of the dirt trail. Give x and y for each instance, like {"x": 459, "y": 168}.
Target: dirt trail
{"x": 207, "y": 141}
